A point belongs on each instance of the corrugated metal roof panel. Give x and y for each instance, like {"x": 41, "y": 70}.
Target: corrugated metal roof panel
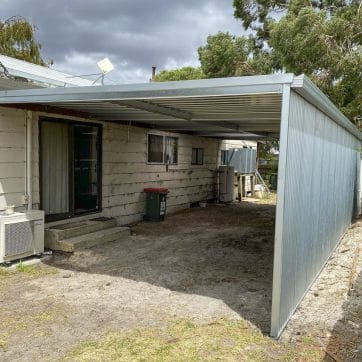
{"x": 40, "y": 74}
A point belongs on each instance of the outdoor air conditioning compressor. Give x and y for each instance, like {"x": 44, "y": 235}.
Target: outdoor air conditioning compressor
{"x": 21, "y": 234}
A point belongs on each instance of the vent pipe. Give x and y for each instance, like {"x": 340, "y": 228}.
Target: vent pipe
{"x": 153, "y": 77}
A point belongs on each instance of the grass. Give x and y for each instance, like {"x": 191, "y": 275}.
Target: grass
{"x": 10, "y": 324}
{"x": 184, "y": 340}
{"x": 34, "y": 323}
{"x": 30, "y": 270}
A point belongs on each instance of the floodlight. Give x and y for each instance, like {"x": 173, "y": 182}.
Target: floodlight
{"x": 105, "y": 65}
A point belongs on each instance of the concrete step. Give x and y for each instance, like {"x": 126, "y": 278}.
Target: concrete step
{"x": 89, "y": 240}
{"x": 73, "y": 229}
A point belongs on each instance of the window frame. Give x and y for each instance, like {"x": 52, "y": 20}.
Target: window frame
{"x": 224, "y": 157}
{"x": 164, "y": 137}
{"x": 195, "y": 162}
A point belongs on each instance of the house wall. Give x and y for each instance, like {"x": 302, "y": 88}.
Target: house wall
{"x": 126, "y": 172}
{"x": 124, "y": 167}
{"x": 13, "y": 159}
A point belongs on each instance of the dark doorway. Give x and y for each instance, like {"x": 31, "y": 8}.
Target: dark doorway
{"x": 70, "y": 168}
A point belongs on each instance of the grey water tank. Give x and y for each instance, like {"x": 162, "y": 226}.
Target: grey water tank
{"x": 243, "y": 160}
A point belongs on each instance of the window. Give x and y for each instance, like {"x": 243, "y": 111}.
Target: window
{"x": 155, "y": 148}
{"x": 197, "y": 157}
{"x": 162, "y": 149}
{"x": 224, "y": 157}
{"x": 170, "y": 150}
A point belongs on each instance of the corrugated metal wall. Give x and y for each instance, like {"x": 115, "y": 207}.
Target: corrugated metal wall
{"x": 318, "y": 198}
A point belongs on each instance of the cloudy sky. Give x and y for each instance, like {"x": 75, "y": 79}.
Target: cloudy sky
{"x": 134, "y": 34}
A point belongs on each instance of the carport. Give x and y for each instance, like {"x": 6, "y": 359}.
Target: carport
{"x": 319, "y": 155}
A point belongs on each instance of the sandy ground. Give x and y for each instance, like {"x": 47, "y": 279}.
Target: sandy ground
{"x": 201, "y": 264}
{"x": 331, "y": 312}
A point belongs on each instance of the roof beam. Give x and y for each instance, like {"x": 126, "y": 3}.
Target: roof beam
{"x": 155, "y": 108}
{"x": 217, "y": 125}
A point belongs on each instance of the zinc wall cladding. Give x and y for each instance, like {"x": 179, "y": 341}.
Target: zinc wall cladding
{"x": 126, "y": 172}
{"x": 320, "y": 180}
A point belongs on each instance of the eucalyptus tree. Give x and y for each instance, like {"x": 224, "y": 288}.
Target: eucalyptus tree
{"x": 17, "y": 40}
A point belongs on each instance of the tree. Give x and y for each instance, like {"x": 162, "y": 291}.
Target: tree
{"x": 320, "y": 38}
{"x": 17, "y": 40}
{"x": 325, "y": 45}
{"x": 226, "y": 55}
{"x": 185, "y": 73}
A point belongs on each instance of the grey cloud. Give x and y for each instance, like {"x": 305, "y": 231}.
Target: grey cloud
{"x": 133, "y": 34}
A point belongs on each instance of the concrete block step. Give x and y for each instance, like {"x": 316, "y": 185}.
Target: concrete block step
{"x": 90, "y": 240}
{"x": 73, "y": 229}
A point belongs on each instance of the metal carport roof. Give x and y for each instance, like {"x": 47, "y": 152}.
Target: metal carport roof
{"x": 314, "y": 135}
{"x": 239, "y": 107}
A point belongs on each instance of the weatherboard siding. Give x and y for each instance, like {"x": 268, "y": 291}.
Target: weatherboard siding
{"x": 126, "y": 172}
{"x": 12, "y": 159}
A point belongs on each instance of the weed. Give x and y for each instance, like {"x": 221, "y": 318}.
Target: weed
{"x": 223, "y": 340}
{"x": 29, "y": 270}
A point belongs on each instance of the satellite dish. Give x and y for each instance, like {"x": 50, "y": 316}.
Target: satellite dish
{"x": 105, "y": 65}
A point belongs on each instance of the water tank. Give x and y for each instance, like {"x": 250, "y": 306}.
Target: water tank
{"x": 243, "y": 160}
{"x": 226, "y": 183}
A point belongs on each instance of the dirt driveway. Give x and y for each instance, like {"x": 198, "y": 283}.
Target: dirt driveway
{"x": 202, "y": 264}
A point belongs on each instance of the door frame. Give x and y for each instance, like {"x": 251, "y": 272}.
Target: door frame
{"x": 71, "y": 213}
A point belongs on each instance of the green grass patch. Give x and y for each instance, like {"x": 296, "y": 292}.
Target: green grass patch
{"x": 5, "y": 272}
{"x": 223, "y": 340}
{"x": 31, "y": 270}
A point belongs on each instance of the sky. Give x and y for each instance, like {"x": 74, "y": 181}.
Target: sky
{"x": 133, "y": 34}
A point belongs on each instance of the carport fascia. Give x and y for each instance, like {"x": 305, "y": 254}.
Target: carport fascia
{"x": 144, "y": 104}
{"x": 251, "y": 105}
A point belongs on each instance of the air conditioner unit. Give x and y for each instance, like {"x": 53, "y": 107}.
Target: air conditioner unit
{"x": 21, "y": 235}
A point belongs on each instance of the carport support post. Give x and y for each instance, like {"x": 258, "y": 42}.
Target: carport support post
{"x": 276, "y": 329}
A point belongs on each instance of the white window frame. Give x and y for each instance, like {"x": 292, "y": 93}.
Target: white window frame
{"x": 203, "y": 156}
{"x": 163, "y": 148}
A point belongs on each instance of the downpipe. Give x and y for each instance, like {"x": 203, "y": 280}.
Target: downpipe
{"x": 29, "y": 159}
